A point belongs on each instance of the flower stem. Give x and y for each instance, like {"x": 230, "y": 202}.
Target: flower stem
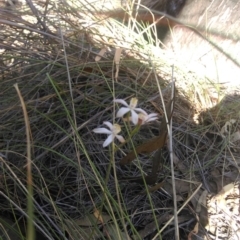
{"x": 131, "y": 134}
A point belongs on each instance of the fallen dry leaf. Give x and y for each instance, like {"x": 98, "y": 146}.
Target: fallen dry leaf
{"x": 194, "y": 231}
{"x": 117, "y": 57}
{"x": 92, "y": 220}
{"x": 98, "y": 216}
{"x": 100, "y": 54}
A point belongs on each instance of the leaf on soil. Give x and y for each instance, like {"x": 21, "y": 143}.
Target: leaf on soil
{"x": 100, "y": 54}
{"x": 151, "y": 227}
{"x": 181, "y": 186}
{"x": 98, "y": 216}
{"x": 93, "y": 219}
{"x": 194, "y": 231}
{"x": 201, "y": 209}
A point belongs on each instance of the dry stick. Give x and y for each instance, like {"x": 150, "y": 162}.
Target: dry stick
{"x": 169, "y": 125}
{"x": 30, "y": 224}
{"x": 116, "y": 61}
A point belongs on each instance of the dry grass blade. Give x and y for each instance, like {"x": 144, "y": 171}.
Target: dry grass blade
{"x": 30, "y": 226}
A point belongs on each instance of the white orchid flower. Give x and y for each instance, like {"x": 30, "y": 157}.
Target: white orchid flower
{"x": 129, "y": 108}
{"x": 113, "y": 132}
{"x": 145, "y": 118}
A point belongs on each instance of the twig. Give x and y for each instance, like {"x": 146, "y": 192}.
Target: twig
{"x": 172, "y": 166}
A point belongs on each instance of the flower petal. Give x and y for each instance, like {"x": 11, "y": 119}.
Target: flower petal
{"x": 152, "y": 115}
{"x": 109, "y": 139}
{"x": 120, "y": 138}
{"x": 152, "y": 119}
{"x": 134, "y": 117}
{"x": 140, "y": 110}
{"x": 123, "y": 102}
{"x": 142, "y": 117}
{"x": 122, "y": 111}
{"x": 102, "y": 130}
{"x": 147, "y": 118}
{"x": 110, "y": 126}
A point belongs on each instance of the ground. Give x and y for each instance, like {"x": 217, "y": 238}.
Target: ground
{"x": 61, "y": 69}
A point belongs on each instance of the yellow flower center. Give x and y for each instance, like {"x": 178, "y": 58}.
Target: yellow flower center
{"x": 116, "y": 129}
{"x": 133, "y": 103}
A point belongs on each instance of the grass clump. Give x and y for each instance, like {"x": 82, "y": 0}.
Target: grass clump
{"x": 65, "y": 62}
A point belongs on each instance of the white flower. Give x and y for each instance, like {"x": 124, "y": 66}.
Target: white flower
{"x": 113, "y": 132}
{"x": 129, "y": 108}
{"x": 144, "y": 118}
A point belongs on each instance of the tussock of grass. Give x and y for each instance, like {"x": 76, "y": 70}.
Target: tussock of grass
{"x": 67, "y": 94}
